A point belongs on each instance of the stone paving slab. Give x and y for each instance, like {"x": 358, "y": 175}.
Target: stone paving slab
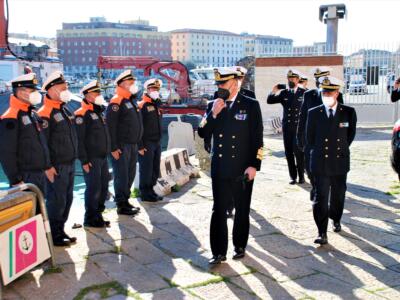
{"x": 142, "y": 251}
{"x": 169, "y": 294}
{"x": 180, "y": 272}
{"x": 64, "y": 285}
{"x": 222, "y": 291}
{"x": 321, "y": 286}
{"x": 266, "y": 288}
{"x": 134, "y": 276}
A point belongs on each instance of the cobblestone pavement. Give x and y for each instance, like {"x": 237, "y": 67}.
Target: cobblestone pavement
{"x": 162, "y": 253}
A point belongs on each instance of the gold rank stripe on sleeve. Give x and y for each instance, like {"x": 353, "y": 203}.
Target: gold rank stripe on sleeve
{"x": 260, "y": 153}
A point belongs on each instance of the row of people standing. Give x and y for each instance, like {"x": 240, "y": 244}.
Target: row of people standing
{"x": 318, "y": 130}
{"x": 41, "y": 147}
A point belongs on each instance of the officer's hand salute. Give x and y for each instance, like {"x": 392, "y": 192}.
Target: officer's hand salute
{"x": 218, "y": 106}
{"x": 291, "y": 99}
{"x": 233, "y": 120}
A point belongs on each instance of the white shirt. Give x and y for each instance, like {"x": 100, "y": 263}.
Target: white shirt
{"x": 327, "y": 108}
{"x": 294, "y": 90}
{"x": 232, "y": 100}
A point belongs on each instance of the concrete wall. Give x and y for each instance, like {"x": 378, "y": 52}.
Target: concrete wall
{"x": 272, "y": 70}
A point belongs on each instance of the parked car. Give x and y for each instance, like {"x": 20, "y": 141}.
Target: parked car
{"x": 358, "y": 86}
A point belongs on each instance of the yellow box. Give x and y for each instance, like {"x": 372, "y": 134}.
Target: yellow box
{"x": 15, "y": 214}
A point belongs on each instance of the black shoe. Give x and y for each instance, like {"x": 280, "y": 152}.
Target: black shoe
{"x": 106, "y": 223}
{"x": 123, "y": 210}
{"x": 229, "y": 214}
{"x": 72, "y": 239}
{"x": 301, "y": 181}
{"x": 292, "y": 182}
{"x": 217, "y": 259}
{"x": 61, "y": 242}
{"x": 128, "y": 205}
{"x": 239, "y": 253}
{"x": 322, "y": 239}
{"x": 149, "y": 198}
{"x": 337, "y": 227}
{"x": 94, "y": 224}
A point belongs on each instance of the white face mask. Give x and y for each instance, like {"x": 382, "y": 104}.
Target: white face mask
{"x": 99, "y": 100}
{"x": 35, "y": 98}
{"x": 301, "y": 86}
{"x": 328, "y": 101}
{"x": 65, "y": 96}
{"x": 133, "y": 89}
{"x": 154, "y": 95}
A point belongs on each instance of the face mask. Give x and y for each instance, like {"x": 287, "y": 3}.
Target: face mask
{"x": 65, "y": 96}
{"x": 35, "y": 98}
{"x": 99, "y": 100}
{"x": 154, "y": 95}
{"x": 301, "y": 86}
{"x": 328, "y": 101}
{"x": 291, "y": 84}
{"x": 223, "y": 94}
{"x": 133, "y": 89}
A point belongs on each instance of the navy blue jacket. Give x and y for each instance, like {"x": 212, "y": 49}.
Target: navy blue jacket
{"x": 329, "y": 142}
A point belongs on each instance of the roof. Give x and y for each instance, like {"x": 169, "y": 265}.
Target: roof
{"x": 203, "y": 31}
{"x": 25, "y": 42}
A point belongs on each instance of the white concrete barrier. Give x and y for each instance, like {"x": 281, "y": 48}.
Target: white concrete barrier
{"x": 175, "y": 169}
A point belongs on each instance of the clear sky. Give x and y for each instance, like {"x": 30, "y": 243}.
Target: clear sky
{"x": 369, "y": 22}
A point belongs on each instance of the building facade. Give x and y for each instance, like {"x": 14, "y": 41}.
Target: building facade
{"x": 80, "y": 44}
{"x": 206, "y": 48}
{"x": 266, "y": 45}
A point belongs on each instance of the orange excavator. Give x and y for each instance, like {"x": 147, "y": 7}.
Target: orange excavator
{"x": 176, "y": 74}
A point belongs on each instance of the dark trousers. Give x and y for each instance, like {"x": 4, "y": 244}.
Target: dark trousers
{"x": 37, "y": 178}
{"x": 223, "y": 192}
{"x": 329, "y": 199}
{"x": 96, "y": 189}
{"x": 292, "y": 152}
{"x": 124, "y": 170}
{"x": 59, "y": 197}
{"x": 149, "y": 168}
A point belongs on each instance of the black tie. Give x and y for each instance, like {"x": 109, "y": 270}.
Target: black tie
{"x": 331, "y": 114}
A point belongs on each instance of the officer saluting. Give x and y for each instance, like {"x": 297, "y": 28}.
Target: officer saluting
{"x": 59, "y": 128}
{"x": 150, "y": 145}
{"x": 125, "y": 127}
{"x": 24, "y": 154}
{"x": 330, "y": 130}
{"x": 93, "y": 148}
{"x": 303, "y": 82}
{"x": 234, "y": 122}
{"x": 242, "y": 71}
{"x": 312, "y": 98}
{"x": 291, "y": 100}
